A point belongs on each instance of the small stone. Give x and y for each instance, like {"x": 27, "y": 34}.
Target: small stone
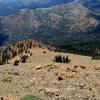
{"x": 50, "y": 68}
{"x": 51, "y": 91}
{"x": 49, "y": 65}
{"x": 10, "y": 98}
{"x": 32, "y": 81}
{"x": 22, "y": 74}
{"x": 38, "y": 67}
{"x": 76, "y": 66}
{"x": 83, "y": 67}
{"x": 68, "y": 74}
{"x": 97, "y": 67}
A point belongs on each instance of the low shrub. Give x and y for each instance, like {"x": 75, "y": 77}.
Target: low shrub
{"x": 61, "y": 59}
{"x": 44, "y": 52}
{"x": 31, "y": 54}
{"x": 16, "y": 62}
{"x": 7, "y": 79}
{"x": 26, "y": 51}
{"x": 30, "y": 97}
{"x": 58, "y": 58}
{"x": 1, "y": 62}
{"x": 95, "y": 58}
{"x": 24, "y": 58}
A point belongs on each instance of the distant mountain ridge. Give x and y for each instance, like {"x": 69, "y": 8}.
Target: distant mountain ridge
{"x": 92, "y": 5}
{"x": 59, "y": 24}
{"x": 11, "y": 6}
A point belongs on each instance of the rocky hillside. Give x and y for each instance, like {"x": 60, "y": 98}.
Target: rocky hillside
{"x": 42, "y": 78}
{"x": 12, "y": 50}
{"x": 57, "y": 25}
